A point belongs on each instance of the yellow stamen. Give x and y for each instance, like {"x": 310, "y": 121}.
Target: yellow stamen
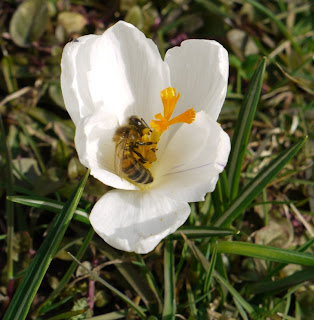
{"x": 169, "y": 99}
{"x": 161, "y": 123}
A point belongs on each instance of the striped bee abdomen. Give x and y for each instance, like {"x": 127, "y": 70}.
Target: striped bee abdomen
{"x": 135, "y": 171}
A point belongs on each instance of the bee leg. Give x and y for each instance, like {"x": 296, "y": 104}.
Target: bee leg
{"x": 141, "y": 158}
{"x": 139, "y": 143}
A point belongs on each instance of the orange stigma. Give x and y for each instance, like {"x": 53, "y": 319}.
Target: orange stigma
{"x": 150, "y": 138}
{"x": 169, "y": 99}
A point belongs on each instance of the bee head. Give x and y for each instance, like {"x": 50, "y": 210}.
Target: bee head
{"x": 138, "y": 123}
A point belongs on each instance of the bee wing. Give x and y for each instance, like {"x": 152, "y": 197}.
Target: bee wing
{"x": 119, "y": 156}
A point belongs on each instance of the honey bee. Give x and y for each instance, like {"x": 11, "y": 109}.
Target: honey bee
{"x": 128, "y": 159}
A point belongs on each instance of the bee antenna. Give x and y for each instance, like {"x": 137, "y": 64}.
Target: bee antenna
{"x": 146, "y": 124}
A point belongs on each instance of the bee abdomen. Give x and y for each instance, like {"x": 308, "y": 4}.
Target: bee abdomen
{"x": 137, "y": 172}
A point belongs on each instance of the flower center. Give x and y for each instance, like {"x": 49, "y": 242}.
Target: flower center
{"x": 150, "y": 138}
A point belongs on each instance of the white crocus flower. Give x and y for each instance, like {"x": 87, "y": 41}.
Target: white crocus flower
{"x": 105, "y": 80}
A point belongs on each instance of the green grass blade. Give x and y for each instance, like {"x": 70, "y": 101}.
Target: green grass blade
{"x": 211, "y": 7}
{"x": 8, "y": 71}
{"x": 280, "y": 266}
{"x": 67, "y": 315}
{"x": 181, "y": 263}
{"x": 240, "y": 309}
{"x": 234, "y": 293}
{"x": 58, "y": 305}
{"x": 197, "y": 253}
{"x": 211, "y": 269}
{"x": 9, "y": 208}
{"x": 265, "y": 252}
{"x": 220, "y": 196}
{"x": 32, "y": 145}
{"x": 17, "y": 189}
{"x": 65, "y": 279}
{"x": 191, "y": 299}
{"x": 282, "y": 284}
{"x": 206, "y": 265}
{"x": 132, "y": 275}
{"x": 218, "y": 201}
{"x": 252, "y": 189}
{"x": 49, "y": 205}
{"x": 169, "y": 278}
{"x": 279, "y": 24}
{"x": 223, "y": 178}
{"x": 31, "y": 281}
{"x": 138, "y": 309}
{"x": 121, "y": 314}
{"x": 156, "y": 307}
{"x": 243, "y": 129}
{"x": 195, "y": 232}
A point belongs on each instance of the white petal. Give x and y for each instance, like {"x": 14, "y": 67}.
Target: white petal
{"x": 73, "y": 78}
{"x": 121, "y": 71}
{"x": 192, "y": 161}
{"x": 96, "y": 150}
{"x": 199, "y": 71}
{"x": 136, "y": 220}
